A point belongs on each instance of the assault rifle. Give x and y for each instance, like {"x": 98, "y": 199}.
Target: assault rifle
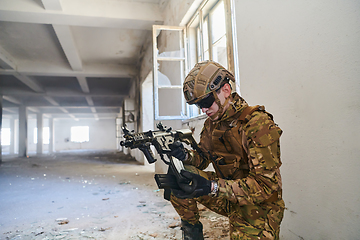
{"x": 161, "y": 139}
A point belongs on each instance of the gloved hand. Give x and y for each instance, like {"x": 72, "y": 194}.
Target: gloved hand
{"x": 178, "y": 151}
{"x": 192, "y": 186}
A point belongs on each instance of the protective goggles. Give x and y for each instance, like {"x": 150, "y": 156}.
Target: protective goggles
{"x": 206, "y": 102}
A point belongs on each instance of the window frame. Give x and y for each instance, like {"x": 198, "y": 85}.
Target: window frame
{"x": 191, "y": 56}
{"x": 202, "y": 15}
{"x": 182, "y": 60}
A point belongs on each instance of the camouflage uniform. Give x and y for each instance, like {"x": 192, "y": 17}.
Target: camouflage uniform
{"x": 247, "y": 156}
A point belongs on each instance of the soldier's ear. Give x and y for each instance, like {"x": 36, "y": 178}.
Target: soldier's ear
{"x": 226, "y": 89}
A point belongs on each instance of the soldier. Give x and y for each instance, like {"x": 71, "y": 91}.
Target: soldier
{"x": 242, "y": 143}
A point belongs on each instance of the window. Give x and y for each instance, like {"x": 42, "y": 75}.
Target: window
{"x": 5, "y": 136}
{"x": 80, "y": 134}
{"x": 46, "y": 135}
{"x": 169, "y": 62}
{"x": 207, "y": 37}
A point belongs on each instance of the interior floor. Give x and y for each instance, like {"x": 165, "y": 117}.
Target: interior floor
{"x": 89, "y": 195}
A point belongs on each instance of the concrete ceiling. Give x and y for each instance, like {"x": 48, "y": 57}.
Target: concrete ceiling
{"x": 72, "y": 58}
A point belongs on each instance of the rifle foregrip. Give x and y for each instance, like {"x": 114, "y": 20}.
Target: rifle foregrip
{"x": 166, "y": 181}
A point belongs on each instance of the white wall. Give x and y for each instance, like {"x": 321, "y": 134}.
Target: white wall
{"x": 32, "y": 124}
{"x": 101, "y": 133}
{"x": 301, "y": 60}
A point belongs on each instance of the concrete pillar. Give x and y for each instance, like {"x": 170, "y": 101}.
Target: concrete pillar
{"x": 51, "y": 133}
{"x": 12, "y": 136}
{"x": 22, "y": 131}
{"x": 1, "y": 106}
{"x": 16, "y": 136}
{"x": 39, "y": 124}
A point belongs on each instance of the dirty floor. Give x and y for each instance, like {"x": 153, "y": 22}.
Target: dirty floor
{"x": 89, "y": 195}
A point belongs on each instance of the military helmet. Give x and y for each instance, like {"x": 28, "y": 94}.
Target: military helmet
{"x": 204, "y": 78}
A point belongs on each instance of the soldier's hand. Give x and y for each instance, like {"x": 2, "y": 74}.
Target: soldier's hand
{"x": 192, "y": 186}
{"x": 178, "y": 151}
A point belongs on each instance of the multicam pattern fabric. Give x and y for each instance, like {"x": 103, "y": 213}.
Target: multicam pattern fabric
{"x": 246, "y": 222}
{"x": 204, "y": 78}
{"x": 247, "y": 157}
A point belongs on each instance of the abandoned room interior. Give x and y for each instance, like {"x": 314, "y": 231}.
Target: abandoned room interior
{"x": 74, "y": 72}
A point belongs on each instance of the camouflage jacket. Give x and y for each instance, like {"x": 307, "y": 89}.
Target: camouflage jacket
{"x": 245, "y": 154}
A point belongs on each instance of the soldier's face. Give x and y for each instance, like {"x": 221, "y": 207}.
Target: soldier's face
{"x": 211, "y": 110}
{"x": 224, "y": 93}
{"x": 214, "y": 108}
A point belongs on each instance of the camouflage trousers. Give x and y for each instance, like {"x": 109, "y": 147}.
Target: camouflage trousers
{"x": 247, "y": 222}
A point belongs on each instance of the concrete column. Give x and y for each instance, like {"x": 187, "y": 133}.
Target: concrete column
{"x": 51, "y": 133}
{"x": 16, "y": 136}
{"x": 1, "y": 106}
{"x": 12, "y": 136}
{"x": 22, "y": 131}
{"x": 39, "y": 124}
{"x": 129, "y": 109}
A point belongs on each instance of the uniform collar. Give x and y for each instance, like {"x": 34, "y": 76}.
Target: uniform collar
{"x": 237, "y": 106}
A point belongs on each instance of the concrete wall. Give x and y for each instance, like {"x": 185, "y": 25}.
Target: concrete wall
{"x": 32, "y": 124}
{"x": 101, "y": 134}
{"x": 301, "y": 60}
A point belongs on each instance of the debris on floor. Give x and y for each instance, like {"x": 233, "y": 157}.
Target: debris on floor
{"x": 62, "y": 221}
{"x": 89, "y": 196}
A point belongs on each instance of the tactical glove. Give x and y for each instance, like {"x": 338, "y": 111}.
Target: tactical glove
{"x": 178, "y": 151}
{"x": 192, "y": 186}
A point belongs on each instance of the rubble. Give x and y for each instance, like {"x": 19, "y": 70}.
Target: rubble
{"x": 62, "y": 221}
{"x": 60, "y": 208}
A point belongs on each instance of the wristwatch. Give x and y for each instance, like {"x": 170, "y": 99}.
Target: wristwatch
{"x": 213, "y": 193}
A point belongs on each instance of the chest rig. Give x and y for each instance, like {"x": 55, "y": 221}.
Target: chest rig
{"x": 229, "y": 145}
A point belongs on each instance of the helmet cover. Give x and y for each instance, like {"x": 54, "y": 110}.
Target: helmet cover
{"x": 204, "y": 78}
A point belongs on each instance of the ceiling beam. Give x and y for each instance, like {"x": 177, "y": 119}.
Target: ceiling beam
{"x": 90, "y": 101}
{"x": 80, "y": 107}
{"x": 52, "y": 101}
{"x": 12, "y": 99}
{"x": 67, "y": 112}
{"x": 68, "y": 45}
{"x": 33, "y": 109}
{"x": 61, "y": 94}
{"x": 53, "y": 5}
{"x": 10, "y": 110}
{"x": 89, "y": 70}
{"x": 83, "y": 84}
{"x": 6, "y": 60}
{"x": 28, "y": 81}
{"x": 93, "y": 110}
{"x": 85, "y": 13}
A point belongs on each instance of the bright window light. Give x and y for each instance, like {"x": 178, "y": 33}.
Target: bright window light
{"x": 80, "y": 134}
{"x": 46, "y": 135}
{"x": 207, "y": 38}
{"x": 5, "y": 136}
